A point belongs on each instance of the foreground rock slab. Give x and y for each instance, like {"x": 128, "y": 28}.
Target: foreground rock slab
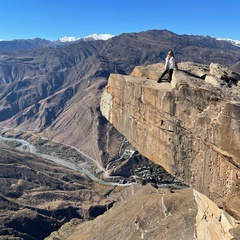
{"x": 141, "y": 213}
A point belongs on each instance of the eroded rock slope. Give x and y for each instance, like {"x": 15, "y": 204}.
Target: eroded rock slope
{"x": 37, "y": 196}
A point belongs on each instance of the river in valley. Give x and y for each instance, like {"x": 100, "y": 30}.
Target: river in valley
{"x": 83, "y": 168}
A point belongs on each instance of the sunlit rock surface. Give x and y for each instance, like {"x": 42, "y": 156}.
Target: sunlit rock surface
{"x": 190, "y": 126}
{"x": 142, "y": 212}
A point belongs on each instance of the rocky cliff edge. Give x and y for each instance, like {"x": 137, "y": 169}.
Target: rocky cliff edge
{"x": 191, "y": 127}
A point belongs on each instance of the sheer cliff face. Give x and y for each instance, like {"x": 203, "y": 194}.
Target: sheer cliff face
{"x": 189, "y": 126}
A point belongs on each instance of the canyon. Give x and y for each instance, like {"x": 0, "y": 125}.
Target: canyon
{"x": 96, "y": 95}
{"x": 55, "y": 92}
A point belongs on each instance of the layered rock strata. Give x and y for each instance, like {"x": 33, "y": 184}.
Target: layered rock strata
{"x": 190, "y": 126}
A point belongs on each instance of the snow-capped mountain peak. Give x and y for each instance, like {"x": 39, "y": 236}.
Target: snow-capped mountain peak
{"x": 234, "y": 42}
{"x": 91, "y": 37}
{"x": 68, "y": 39}
{"x": 95, "y": 36}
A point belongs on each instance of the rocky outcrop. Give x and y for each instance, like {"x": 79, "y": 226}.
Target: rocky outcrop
{"x": 142, "y": 212}
{"x": 191, "y": 127}
{"x": 213, "y": 222}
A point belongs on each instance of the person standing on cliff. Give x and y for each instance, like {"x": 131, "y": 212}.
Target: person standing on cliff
{"x": 170, "y": 65}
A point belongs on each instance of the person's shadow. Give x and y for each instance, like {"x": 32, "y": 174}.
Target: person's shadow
{"x": 192, "y": 75}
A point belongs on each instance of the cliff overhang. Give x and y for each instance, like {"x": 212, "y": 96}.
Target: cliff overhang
{"x": 190, "y": 126}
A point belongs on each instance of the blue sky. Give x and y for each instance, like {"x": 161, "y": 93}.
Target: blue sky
{"x": 53, "y": 19}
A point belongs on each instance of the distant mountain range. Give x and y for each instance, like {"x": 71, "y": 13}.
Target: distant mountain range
{"x": 91, "y": 37}
{"x": 24, "y": 44}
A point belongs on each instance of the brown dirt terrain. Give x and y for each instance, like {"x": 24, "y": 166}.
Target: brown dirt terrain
{"x": 38, "y": 196}
{"x": 142, "y": 212}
